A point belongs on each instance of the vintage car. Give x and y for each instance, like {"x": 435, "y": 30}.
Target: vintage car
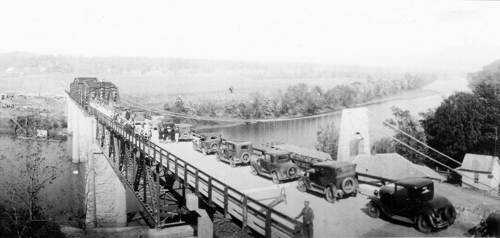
{"x": 489, "y": 227}
{"x": 185, "y": 131}
{"x": 234, "y": 152}
{"x": 412, "y": 200}
{"x": 333, "y": 179}
{"x": 205, "y": 142}
{"x": 273, "y": 163}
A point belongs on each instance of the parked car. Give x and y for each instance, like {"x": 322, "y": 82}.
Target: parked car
{"x": 489, "y": 227}
{"x": 333, "y": 179}
{"x": 234, "y": 152}
{"x": 205, "y": 142}
{"x": 412, "y": 200}
{"x": 185, "y": 131}
{"x": 273, "y": 163}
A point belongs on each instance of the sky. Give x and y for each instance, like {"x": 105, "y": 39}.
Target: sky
{"x": 436, "y": 34}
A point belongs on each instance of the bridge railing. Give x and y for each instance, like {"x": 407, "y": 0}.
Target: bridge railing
{"x": 251, "y": 212}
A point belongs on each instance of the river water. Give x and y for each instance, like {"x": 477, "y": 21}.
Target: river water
{"x": 303, "y": 131}
{"x": 62, "y": 198}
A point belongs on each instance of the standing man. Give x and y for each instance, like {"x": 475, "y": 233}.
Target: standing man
{"x": 177, "y": 134}
{"x": 307, "y": 215}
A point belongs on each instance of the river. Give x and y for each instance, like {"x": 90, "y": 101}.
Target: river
{"x": 303, "y": 131}
{"x": 62, "y": 198}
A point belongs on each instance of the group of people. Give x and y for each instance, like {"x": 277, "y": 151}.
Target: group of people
{"x": 168, "y": 133}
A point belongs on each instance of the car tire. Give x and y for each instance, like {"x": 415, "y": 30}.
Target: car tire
{"x": 423, "y": 224}
{"x": 349, "y": 185}
{"x": 275, "y": 177}
{"x": 253, "y": 170}
{"x": 330, "y": 194}
{"x": 373, "y": 210}
{"x": 301, "y": 186}
{"x": 245, "y": 158}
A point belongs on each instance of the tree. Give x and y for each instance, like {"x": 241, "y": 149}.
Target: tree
{"x": 409, "y": 125}
{"x": 327, "y": 139}
{"x": 384, "y": 145}
{"x": 458, "y": 126}
{"x": 179, "y": 106}
{"x": 26, "y": 216}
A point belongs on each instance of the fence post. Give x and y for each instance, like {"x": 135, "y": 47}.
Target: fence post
{"x": 196, "y": 182}
{"x": 268, "y": 223}
{"x": 226, "y": 197}
{"x": 209, "y": 191}
{"x": 244, "y": 212}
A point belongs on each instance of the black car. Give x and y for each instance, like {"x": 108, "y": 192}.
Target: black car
{"x": 412, "y": 200}
{"x": 333, "y": 179}
{"x": 273, "y": 163}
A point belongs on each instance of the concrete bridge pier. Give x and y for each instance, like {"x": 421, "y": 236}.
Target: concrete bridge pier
{"x": 105, "y": 196}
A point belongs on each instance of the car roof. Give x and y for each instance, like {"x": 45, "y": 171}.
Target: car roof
{"x": 414, "y": 182}
{"x": 332, "y": 164}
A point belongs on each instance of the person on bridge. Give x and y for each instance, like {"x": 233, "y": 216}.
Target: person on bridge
{"x": 307, "y": 215}
{"x": 177, "y": 134}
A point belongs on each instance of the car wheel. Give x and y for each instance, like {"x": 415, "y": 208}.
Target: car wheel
{"x": 301, "y": 185}
{"x": 253, "y": 170}
{"x": 330, "y": 194}
{"x": 276, "y": 179}
{"x": 423, "y": 224}
{"x": 373, "y": 210}
{"x": 245, "y": 158}
{"x": 349, "y": 185}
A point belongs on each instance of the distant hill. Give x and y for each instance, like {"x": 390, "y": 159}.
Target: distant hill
{"x": 51, "y": 74}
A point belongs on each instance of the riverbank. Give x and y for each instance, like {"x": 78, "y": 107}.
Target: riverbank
{"x": 409, "y": 95}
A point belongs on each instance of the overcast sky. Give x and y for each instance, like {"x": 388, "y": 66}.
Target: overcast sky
{"x": 422, "y": 34}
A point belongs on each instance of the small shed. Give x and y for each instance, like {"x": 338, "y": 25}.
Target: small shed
{"x": 480, "y": 171}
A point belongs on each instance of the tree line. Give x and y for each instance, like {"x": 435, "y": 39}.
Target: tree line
{"x": 465, "y": 122}
{"x": 301, "y": 99}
